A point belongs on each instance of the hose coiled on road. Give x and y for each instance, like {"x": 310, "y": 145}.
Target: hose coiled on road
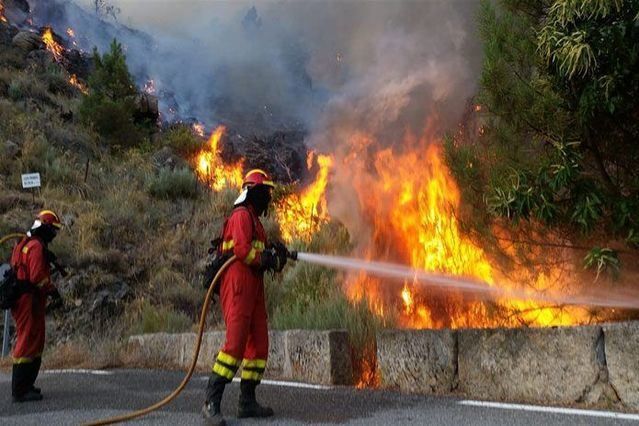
{"x": 196, "y": 352}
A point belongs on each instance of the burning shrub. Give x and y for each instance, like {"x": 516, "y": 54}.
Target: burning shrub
{"x": 110, "y": 104}
{"x": 173, "y": 184}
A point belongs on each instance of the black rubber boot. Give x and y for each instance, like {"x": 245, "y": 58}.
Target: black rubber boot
{"x": 211, "y": 410}
{"x": 248, "y": 405}
{"x": 21, "y": 384}
{"x": 34, "y": 371}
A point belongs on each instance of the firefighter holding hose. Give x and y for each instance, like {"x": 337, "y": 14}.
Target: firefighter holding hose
{"x": 242, "y": 300}
{"x": 30, "y": 260}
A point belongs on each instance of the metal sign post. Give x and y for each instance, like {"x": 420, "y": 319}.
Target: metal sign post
{"x": 5, "y": 334}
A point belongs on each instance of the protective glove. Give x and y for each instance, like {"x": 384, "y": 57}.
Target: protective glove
{"x": 269, "y": 260}
{"x": 282, "y": 255}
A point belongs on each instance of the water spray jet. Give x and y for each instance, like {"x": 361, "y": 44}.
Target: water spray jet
{"x": 619, "y": 299}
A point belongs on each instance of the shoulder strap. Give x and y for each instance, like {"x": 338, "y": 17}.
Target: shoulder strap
{"x": 19, "y": 247}
{"x": 19, "y": 258}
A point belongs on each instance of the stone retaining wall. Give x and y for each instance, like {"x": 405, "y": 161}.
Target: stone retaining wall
{"x": 310, "y": 356}
{"x": 559, "y": 365}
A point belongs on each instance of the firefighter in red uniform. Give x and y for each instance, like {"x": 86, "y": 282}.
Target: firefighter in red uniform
{"x": 242, "y": 299}
{"x": 30, "y": 261}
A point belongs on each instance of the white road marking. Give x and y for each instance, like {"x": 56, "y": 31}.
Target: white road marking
{"x": 285, "y": 384}
{"x": 552, "y": 410}
{"x": 79, "y": 371}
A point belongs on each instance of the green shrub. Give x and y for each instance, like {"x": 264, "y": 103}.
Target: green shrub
{"x": 171, "y": 288}
{"x": 155, "y": 319}
{"x": 125, "y": 209}
{"x": 28, "y": 86}
{"x": 183, "y": 141}
{"x": 12, "y": 57}
{"x": 110, "y": 104}
{"x": 173, "y": 184}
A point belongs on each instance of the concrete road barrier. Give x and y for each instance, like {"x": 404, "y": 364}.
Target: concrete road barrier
{"x": 622, "y": 356}
{"x": 558, "y": 365}
{"x": 423, "y": 361}
{"x": 321, "y": 357}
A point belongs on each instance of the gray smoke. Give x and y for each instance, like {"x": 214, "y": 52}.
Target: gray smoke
{"x": 332, "y": 68}
{"x": 288, "y": 64}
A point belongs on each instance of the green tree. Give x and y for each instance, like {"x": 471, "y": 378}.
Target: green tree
{"x": 110, "y": 104}
{"x": 560, "y": 87}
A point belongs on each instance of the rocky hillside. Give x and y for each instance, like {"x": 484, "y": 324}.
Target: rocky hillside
{"x": 137, "y": 219}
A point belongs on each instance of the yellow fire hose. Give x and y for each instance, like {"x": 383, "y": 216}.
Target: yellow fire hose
{"x": 196, "y": 352}
{"x": 8, "y": 237}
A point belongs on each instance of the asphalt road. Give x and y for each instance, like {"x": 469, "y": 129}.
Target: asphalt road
{"x": 76, "y": 397}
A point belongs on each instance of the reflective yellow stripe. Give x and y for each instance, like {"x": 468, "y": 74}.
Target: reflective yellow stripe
{"x": 228, "y": 245}
{"x": 25, "y": 249}
{"x": 250, "y": 257}
{"x": 258, "y": 244}
{"x": 22, "y": 360}
{"x": 223, "y": 371}
{"x": 251, "y": 375}
{"x": 43, "y": 282}
{"x": 254, "y": 363}
{"x": 228, "y": 359}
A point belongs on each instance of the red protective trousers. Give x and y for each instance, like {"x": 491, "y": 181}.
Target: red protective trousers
{"x": 29, "y": 261}
{"x": 242, "y": 297}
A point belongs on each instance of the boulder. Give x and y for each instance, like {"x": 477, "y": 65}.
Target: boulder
{"x": 167, "y": 158}
{"x": 146, "y": 106}
{"x": 422, "y": 361}
{"x": 27, "y": 41}
{"x": 622, "y": 357}
{"x": 11, "y": 149}
{"x": 546, "y": 365}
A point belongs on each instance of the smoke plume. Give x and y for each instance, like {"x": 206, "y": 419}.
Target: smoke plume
{"x": 332, "y": 68}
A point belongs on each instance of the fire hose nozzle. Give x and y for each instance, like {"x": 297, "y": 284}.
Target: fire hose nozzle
{"x": 292, "y": 254}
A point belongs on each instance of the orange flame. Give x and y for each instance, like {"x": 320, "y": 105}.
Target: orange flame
{"x": 301, "y": 215}
{"x": 51, "y": 45}
{"x": 198, "y": 129}
{"x": 2, "y": 18}
{"x": 73, "y": 80}
{"x": 413, "y": 213}
{"x": 211, "y": 168}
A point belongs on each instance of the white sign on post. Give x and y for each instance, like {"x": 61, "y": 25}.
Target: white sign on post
{"x": 31, "y": 180}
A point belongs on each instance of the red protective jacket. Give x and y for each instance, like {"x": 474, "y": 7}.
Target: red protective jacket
{"x": 242, "y": 297}
{"x": 29, "y": 261}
